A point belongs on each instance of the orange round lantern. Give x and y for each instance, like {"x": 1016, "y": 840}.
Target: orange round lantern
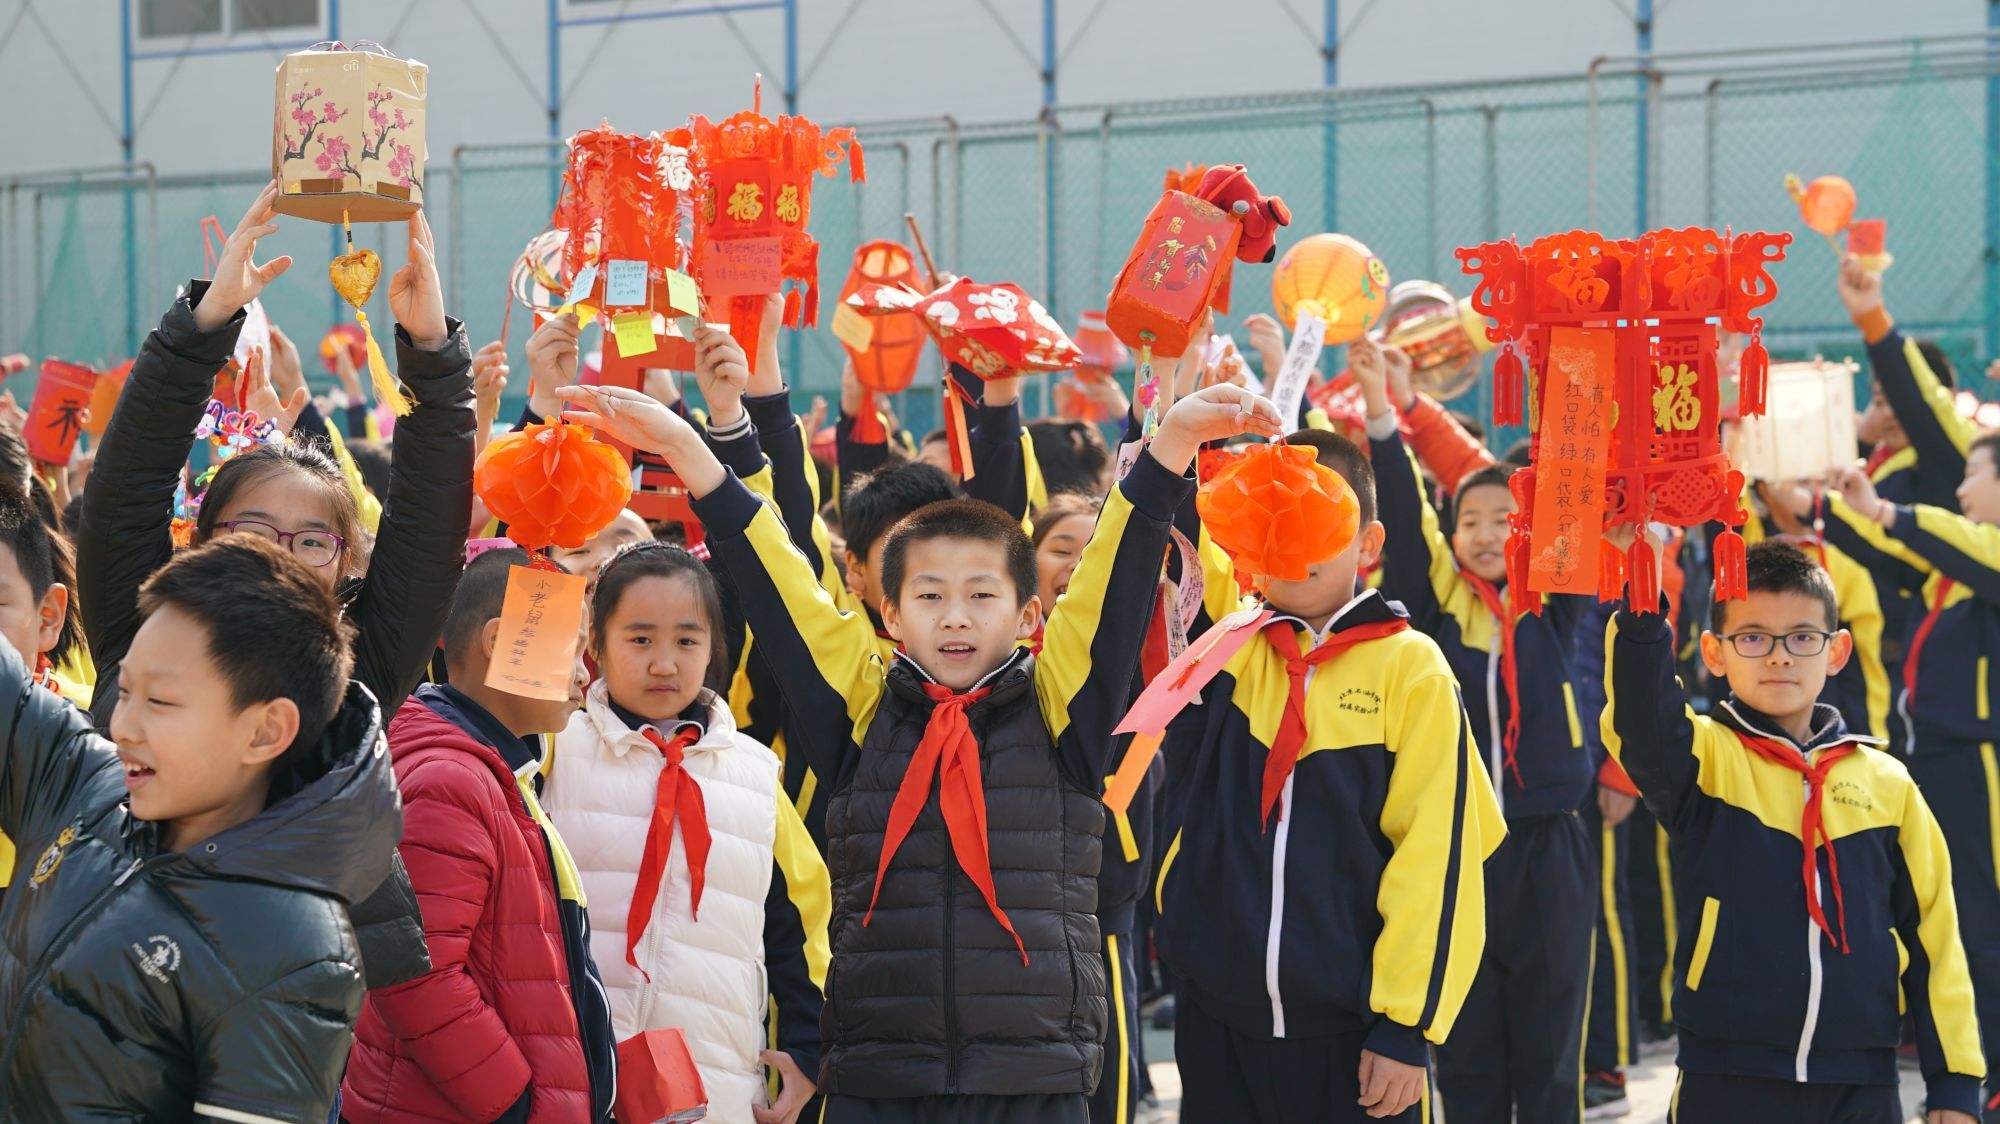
{"x": 896, "y": 344}
{"x": 1278, "y": 512}
{"x": 1335, "y": 278}
{"x": 1828, "y": 204}
{"x": 553, "y": 484}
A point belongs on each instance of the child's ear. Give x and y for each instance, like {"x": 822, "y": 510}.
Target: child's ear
{"x": 892, "y": 618}
{"x": 1371, "y": 539}
{"x": 1711, "y": 654}
{"x": 1838, "y": 651}
{"x": 857, "y": 573}
{"x": 1031, "y": 618}
{"x": 489, "y": 639}
{"x": 54, "y": 610}
{"x": 276, "y": 727}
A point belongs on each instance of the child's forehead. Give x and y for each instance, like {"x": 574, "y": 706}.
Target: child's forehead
{"x": 1776, "y": 609}
{"x": 954, "y": 556}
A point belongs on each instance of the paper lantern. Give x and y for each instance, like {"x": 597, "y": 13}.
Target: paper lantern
{"x": 1625, "y": 402}
{"x": 617, "y": 214}
{"x": 56, "y": 415}
{"x": 104, "y": 397}
{"x": 1336, "y": 279}
{"x": 1826, "y": 204}
{"x": 887, "y": 362}
{"x": 1102, "y": 351}
{"x": 1179, "y": 268}
{"x": 1808, "y": 426}
{"x": 1868, "y": 240}
{"x": 553, "y": 484}
{"x": 1076, "y": 403}
{"x": 348, "y": 140}
{"x": 1278, "y": 512}
{"x": 1441, "y": 334}
{"x": 754, "y": 179}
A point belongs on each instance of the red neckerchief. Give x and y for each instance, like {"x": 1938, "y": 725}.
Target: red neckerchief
{"x": 948, "y": 752}
{"x": 1284, "y": 752}
{"x": 1811, "y": 829}
{"x": 678, "y": 795}
{"x": 1509, "y": 671}
{"x": 1877, "y": 457}
{"x": 45, "y": 675}
{"x": 1156, "y": 653}
{"x": 1923, "y": 633}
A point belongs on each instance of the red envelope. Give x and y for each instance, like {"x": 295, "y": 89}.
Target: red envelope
{"x": 657, "y": 1080}
{"x": 56, "y": 419}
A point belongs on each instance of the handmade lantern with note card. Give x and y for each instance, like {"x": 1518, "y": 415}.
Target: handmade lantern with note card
{"x": 886, "y": 347}
{"x": 1623, "y": 396}
{"x": 553, "y": 484}
{"x": 348, "y": 137}
{"x": 755, "y": 181}
{"x": 1180, "y": 266}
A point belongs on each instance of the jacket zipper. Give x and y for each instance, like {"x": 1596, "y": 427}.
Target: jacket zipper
{"x": 56, "y": 948}
{"x": 1493, "y": 727}
{"x": 1274, "y": 936}
{"x": 950, "y": 981}
{"x": 1811, "y": 1022}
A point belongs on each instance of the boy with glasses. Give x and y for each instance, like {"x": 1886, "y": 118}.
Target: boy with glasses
{"x": 1792, "y": 977}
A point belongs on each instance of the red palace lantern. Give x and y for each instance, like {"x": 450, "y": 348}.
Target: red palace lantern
{"x": 1625, "y": 399}
{"x": 887, "y": 347}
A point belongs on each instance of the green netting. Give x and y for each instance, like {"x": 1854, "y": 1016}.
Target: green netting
{"x": 1054, "y": 203}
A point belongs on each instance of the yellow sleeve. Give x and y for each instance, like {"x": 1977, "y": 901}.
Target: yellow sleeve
{"x": 1874, "y": 535}
{"x": 1031, "y": 474}
{"x": 1937, "y": 985}
{"x": 369, "y": 503}
{"x": 1442, "y": 819}
{"x": 1861, "y": 609}
{"x": 1220, "y": 595}
{"x": 807, "y": 884}
{"x": 1939, "y": 399}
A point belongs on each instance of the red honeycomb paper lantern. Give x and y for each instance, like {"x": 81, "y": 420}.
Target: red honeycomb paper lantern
{"x": 1278, "y": 512}
{"x": 553, "y": 484}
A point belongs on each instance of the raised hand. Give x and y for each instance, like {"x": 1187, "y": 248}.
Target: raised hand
{"x": 1371, "y": 374}
{"x": 238, "y": 278}
{"x": 641, "y": 421}
{"x": 1213, "y": 413}
{"x": 1860, "y": 290}
{"x": 1267, "y": 339}
{"x": 489, "y": 382}
{"x": 722, "y": 373}
{"x": 416, "y": 297}
{"x": 769, "y": 376}
{"x": 288, "y": 373}
{"x": 1858, "y": 492}
{"x": 1402, "y": 391}
{"x": 258, "y": 395}
{"x": 552, "y": 360}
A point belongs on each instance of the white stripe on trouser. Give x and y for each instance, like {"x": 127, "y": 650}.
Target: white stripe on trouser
{"x": 1272, "y": 937}
{"x": 217, "y": 1112}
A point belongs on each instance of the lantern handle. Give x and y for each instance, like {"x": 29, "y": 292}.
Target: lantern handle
{"x": 923, "y": 251}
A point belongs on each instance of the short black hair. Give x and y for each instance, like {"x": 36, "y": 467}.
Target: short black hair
{"x": 969, "y": 520}
{"x": 1989, "y": 442}
{"x": 1939, "y": 362}
{"x": 657, "y": 559}
{"x": 1520, "y": 454}
{"x": 1492, "y": 476}
{"x": 16, "y": 465}
{"x": 309, "y": 459}
{"x": 371, "y": 460}
{"x": 274, "y": 630}
{"x": 878, "y": 502}
{"x": 1775, "y": 566}
{"x": 1347, "y": 459}
{"x": 1062, "y": 506}
{"x": 482, "y": 591}
{"x": 45, "y": 558}
{"x": 1072, "y": 455}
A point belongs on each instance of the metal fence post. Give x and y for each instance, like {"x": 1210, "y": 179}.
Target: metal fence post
{"x": 1991, "y": 334}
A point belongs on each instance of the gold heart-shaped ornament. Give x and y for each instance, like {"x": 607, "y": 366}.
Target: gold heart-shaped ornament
{"x": 354, "y": 275}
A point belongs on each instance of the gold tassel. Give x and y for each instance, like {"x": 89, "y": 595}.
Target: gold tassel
{"x": 386, "y": 387}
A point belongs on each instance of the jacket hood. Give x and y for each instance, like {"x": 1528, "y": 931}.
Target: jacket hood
{"x": 336, "y": 833}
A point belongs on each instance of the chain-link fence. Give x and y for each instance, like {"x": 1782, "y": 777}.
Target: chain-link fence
{"x": 88, "y": 260}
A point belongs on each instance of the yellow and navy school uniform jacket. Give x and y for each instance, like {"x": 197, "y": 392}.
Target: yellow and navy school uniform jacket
{"x": 1419, "y": 570}
{"x": 1362, "y": 909}
{"x": 1957, "y": 706}
{"x": 1006, "y": 472}
{"x": 1760, "y": 991}
{"x": 1860, "y": 690}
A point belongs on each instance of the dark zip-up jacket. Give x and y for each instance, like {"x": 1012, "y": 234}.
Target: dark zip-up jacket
{"x": 1759, "y": 989}
{"x": 398, "y": 610}
{"x": 932, "y": 998}
{"x": 1419, "y": 570}
{"x": 221, "y": 981}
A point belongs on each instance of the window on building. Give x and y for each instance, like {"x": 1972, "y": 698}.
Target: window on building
{"x": 166, "y": 19}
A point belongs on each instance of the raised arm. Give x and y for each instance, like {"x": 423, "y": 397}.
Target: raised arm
{"x": 1646, "y": 725}
{"x": 796, "y": 951}
{"x": 1931, "y": 538}
{"x": 1923, "y": 405}
{"x": 420, "y": 548}
{"x": 999, "y": 466}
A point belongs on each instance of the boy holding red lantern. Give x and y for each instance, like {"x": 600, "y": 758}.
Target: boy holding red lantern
{"x": 966, "y": 974}
{"x": 1518, "y": 1039}
{"x": 1321, "y": 905}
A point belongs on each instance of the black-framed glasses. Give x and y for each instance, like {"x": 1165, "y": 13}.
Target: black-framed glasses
{"x": 1757, "y": 645}
{"x": 315, "y": 548}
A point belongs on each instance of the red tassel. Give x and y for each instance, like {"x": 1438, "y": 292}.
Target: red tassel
{"x": 1610, "y": 574}
{"x": 1732, "y": 577}
{"x": 1642, "y": 568}
{"x": 1520, "y": 599}
{"x": 1507, "y": 387}
{"x": 1753, "y": 377}
{"x": 868, "y": 427}
{"x": 791, "y": 318}
{"x": 857, "y": 166}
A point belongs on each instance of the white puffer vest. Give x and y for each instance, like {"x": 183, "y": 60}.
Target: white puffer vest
{"x": 707, "y": 976}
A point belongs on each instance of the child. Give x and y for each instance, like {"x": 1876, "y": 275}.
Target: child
{"x": 37, "y": 571}
{"x": 1321, "y": 931}
{"x": 1773, "y": 1027}
{"x": 177, "y": 943}
{"x": 1948, "y": 697}
{"x": 712, "y": 897}
{"x": 511, "y": 1022}
{"x": 965, "y": 977}
{"x": 1516, "y": 1043}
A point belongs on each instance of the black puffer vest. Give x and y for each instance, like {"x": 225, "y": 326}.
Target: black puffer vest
{"x": 931, "y": 996}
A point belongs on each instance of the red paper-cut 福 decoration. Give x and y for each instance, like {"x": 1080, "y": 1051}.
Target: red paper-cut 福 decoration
{"x": 1278, "y": 512}
{"x": 553, "y": 484}
{"x": 1663, "y": 296}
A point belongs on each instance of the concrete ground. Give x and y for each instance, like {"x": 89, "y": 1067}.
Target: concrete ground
{"x": 1648, "y": 1085}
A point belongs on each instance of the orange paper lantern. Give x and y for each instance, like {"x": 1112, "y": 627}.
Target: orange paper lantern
{"x": 1334, "y": 278}
{"x": 1278, "y": 512}
{"x": 1828, "y": 204}
{"x": 888, "y": 362}
{"x": 553, "y": 484}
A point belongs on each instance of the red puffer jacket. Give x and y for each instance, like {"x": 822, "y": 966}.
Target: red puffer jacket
{"x": 494, "y": 1015}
